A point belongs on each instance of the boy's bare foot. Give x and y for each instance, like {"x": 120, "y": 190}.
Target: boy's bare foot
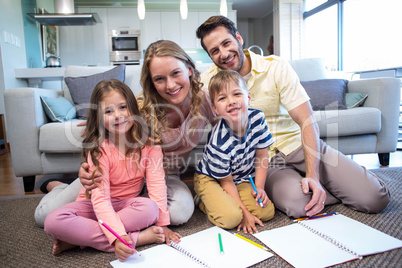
{"x": 60, "y": 246}
{"x": 52, "y": 184}
{"x": 153, "y": 234}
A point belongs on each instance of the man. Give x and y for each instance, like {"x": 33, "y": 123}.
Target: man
{"x": 304, "y": 173}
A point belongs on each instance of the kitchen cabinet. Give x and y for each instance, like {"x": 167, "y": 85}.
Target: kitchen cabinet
{"x": 194, "y": 20}
{"x": 89, "y": 45}
{"x": 170, "y": 26}
{"x": 85, "y": 45}
{"x": 120, "y": 18}
{"x": 150, "y": 29}
{"x": 188, "y": 27}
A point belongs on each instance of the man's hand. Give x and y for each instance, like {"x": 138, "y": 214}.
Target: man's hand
{"x": 318, "y": 198}
{"x": 121, "y": 250}
{"x": 170, "y": 235}
{"x": 86, "y": 177}
{"x": 248, "y": 223}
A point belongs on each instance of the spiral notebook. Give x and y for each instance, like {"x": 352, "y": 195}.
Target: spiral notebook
{"x": 326, "y": 241}
{"x": 201, "y": 249}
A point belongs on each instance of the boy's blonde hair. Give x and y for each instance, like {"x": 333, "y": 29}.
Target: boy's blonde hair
{"x": 222, "y": 79}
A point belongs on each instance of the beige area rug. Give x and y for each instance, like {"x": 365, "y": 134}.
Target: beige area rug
{"x": 24, "y": 244}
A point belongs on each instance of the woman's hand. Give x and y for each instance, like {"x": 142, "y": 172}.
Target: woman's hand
{"x": 170, "y": 235}
{"x": 121, "y": 250}
{"x": 86, "y": 177}
{"x": 82, "y": 124}
{"x": 248, "y": 223}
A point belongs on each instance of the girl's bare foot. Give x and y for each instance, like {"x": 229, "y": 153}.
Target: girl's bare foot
{"x": 153, "y": 234}
{"x": 52, "y": 184}
{"x": 60, "y": 246}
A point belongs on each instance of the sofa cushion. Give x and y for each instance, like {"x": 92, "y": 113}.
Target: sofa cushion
{"x": 309, "y": 69}
{"x": 58, "y": 109}
{"x": 353, "y": 100}
{"x": 326, "y": 94}
{"x": 81, "y": 87}
{"x": 61, "y": 137}
{"x": 358, "y": 121}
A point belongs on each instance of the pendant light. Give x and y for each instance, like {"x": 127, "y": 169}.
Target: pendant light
{"x": 183, "y": 9}
{"x": 224, "y": 8}
{"x": 141, "y": 9}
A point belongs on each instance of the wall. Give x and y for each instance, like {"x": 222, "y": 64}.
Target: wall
{"x": 32, "y": 35}
{"x": 12, "y": 44}
{"x": 256, "y": 31}
{"x": 288, "y": 27}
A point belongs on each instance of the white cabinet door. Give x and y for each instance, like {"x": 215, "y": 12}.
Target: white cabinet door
{"x": 85, "y": 45}
{"x": 99, "y": 49}
{"x": 74, "y": 42}
{"x": 150, "y": 29}
{"x": 123, "y": 18}
{"x": 204, "y": 15}
{"x": 170, "y": 26}
{"x": 188, "y": 28}
{"x": 232, "y": 15}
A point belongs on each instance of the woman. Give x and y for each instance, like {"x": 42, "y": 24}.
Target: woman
{"x": 177, "y": 110}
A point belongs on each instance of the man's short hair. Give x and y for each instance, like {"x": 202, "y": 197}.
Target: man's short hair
{"x": 211, "y": 24}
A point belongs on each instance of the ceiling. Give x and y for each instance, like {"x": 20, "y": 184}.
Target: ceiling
{"x": 245, "y": 8}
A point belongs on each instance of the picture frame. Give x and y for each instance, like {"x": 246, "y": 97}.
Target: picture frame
{"x": 50, "y": 41}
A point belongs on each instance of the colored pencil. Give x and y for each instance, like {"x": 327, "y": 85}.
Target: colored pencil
{"x": 115, "y": 234}
{"x": 321, "y": 216}
{"x": 255, "y": 189}
{"x": 220, "y": 244}
{"x": 252, "y": 242}
{"x": 302, "y": 219}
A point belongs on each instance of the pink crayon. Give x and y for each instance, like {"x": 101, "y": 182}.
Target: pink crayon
{"x": 116, "y": 235}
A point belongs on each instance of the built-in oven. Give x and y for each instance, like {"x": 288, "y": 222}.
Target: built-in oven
{"x": 125, "y": 47}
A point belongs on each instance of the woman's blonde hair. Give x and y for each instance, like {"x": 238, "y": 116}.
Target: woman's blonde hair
{"x": 95, "y": 132}
{"x": 150, "y": 98}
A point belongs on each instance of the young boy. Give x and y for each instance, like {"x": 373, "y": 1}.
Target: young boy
{"x": 236, "y": 150}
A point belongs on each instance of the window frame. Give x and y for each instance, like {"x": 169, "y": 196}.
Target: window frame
{"x": 324, "y": 6}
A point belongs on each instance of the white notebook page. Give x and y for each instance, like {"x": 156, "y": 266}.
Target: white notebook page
{"x": 204, "y": 245}
{"x": 362, "y": 238}
{"x": 302, "y": 248}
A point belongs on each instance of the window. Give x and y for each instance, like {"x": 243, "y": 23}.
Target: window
{"x": 353, "y": 35}
{"x": 371, "y": 37}
{"x": 310, "y": 4}
{"x": 321, "y": 35}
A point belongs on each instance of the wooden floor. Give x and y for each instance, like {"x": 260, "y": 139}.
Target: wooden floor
{"x": 10, "y": 185}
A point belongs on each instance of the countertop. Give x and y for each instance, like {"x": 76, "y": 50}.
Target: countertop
{"x": 55, "y": 73}
{"x": 35, "y": 76}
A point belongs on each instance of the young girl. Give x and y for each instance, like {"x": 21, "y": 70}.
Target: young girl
{"x": 116, "y": 143}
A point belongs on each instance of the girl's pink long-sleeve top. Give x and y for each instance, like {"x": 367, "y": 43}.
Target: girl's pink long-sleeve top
{"x": 124, "y": 178}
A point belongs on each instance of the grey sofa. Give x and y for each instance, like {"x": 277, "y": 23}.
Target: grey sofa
{"x": 39, "y": 146}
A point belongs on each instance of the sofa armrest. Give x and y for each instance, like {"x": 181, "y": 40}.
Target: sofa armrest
{"x": 384, "y": 94}
{"x": 24, "y": 116}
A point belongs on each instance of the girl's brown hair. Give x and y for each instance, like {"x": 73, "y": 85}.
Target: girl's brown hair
{"x": 95, "y": 132}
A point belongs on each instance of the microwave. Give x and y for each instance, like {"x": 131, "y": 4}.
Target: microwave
{"x": 125, "y": 46}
